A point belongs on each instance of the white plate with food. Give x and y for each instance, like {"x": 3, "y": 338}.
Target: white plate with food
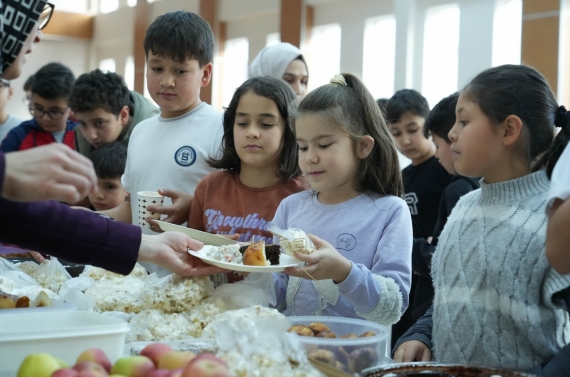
{"x": 206, "y": 238}
{"x": 257, "y": 259}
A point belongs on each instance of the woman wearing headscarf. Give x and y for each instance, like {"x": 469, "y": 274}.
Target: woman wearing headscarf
{"x": 57, "y": 172}
{"x": 285, "y": 61}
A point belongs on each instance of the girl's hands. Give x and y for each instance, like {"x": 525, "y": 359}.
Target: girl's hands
{"x": 325, "y": 263}
{"x": 412, "y": 350}
{"x": 177, "y": 213}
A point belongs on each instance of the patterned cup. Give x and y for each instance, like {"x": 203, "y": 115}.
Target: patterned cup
{"x": 147, "y": 198}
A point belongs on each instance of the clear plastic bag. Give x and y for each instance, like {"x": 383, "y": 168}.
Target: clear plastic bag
{"x": 175, "y": 294}
{"x": 72, "y": 293}
{"x": 292, "y": 240}
{"x": 15, "y": 277}
{"x": 51, "y": 275}
{"x": 255, "y": 289}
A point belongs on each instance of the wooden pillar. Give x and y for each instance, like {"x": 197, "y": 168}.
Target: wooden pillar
{"x": 208, "y": 11}
{"x": 292, "y": 22}
{"x": 141, "y": 24}
{"x": 541, "y": 38}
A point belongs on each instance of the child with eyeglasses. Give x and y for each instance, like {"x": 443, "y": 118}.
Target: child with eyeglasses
{"x": 7, "y": 121}
{"x": 51, "y": 89}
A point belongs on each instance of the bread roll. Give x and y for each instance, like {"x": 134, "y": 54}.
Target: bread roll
{"x": 255, "y": 255}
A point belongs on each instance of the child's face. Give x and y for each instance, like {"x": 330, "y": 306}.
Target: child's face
{"x": 258, "y": 131}
{"x": 51, "y": 115}
{"x": 327, "y": 159}
{"x": 476, "y": 147}
{"x": 110, "y": 194}
{"x": 175, "y": 85}
{"x": 408, "y": 134}
{"x": 101, "y": 127}
{"x": 443, "y": 154}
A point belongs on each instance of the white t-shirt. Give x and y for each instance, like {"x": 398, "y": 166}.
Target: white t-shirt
{"x": 171, "y": 153}
{"x": 560, "y": 180}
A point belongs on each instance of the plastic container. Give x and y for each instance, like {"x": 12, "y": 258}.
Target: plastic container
{"x": 439, "y": 370}
{"x": 62, "y": 334}
{"x": 352, "y": 354}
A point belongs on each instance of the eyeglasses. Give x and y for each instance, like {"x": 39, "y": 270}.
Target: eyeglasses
{"x": 52, "y": 114}
{"x": 45, "y": 16}
{"x": 4, "y": 84}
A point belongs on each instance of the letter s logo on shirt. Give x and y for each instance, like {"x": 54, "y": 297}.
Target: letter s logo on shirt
{"x": 185, "y": 156}
{"x": 412, "y": 201}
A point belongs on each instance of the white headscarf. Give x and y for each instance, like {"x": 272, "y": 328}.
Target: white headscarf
{"x": 274, "y": 60}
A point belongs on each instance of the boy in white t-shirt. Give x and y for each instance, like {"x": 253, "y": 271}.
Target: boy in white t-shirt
{"x": 170, "y": 149}
{"x": 557, "y": 236}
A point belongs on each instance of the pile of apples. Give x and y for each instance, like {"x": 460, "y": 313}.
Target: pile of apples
{"x": 155, "y": 360}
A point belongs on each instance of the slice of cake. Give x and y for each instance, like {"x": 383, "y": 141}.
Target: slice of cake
{"x": 272, "y": 253}
{"x": 254, "y": 255}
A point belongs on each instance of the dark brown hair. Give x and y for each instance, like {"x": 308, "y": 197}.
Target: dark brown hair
{"x": 283, "y": 95}
{"x": 352, "y": 110}
{"x": 523, "y": 91}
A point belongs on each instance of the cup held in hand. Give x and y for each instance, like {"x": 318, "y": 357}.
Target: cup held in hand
{"x": 148, "y": 198}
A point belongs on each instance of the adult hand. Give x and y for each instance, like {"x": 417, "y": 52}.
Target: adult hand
{"x": 324, "y": 263}
{"x": 412, "y": 350}
{"x": 177, "y": 213}
{"x": 53, "y": 171}
{"x": 170, "y": 250}
{"x": 37, "y": 256}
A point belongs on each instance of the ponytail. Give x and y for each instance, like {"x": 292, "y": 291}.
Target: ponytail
{"x": 550, "y": 157}
{"x": 349, "y": 107}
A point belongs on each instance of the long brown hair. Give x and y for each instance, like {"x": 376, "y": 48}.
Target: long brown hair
{"x": 352, "y": 110}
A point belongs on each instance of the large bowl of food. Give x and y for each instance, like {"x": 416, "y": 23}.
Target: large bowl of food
{"x": 439, "y": 370}
{"x": 345, "y": 343}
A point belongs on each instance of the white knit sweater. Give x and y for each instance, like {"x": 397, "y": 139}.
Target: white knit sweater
{"x": 494, "y": 288}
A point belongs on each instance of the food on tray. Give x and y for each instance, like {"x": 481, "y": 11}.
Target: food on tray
{"x": 326, "y": 334}
{"x": 28, "y": 267}
{"x": 117, "y": 294}
{"x": 320, "y": 330}
{"x": 255, "y": 254}
{"x": 272, "y": 253}
{"x": 317, "y": 327}
{"x": 7, "y": 301}
{"x": 97, "y": 273}
{"x": 293, "y": 240}
{"x": 226, "y": 253}
{"x": 325, "y": 356}
{"x": 176, "y": 294}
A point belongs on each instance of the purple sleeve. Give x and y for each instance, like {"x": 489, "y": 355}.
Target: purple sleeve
{"x": 72, "y": 234}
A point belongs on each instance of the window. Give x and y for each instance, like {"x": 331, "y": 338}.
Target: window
{"x": 73, "y": 6}
{"x": 379, "y": 56}
{"x": 325, "y": 54}
{"x": 273, "y": 39}
{"x": 236, "y": 56}
{"x": 441, "y": 45}
{"x": 108, "y": 6}
{"x": 130, "y": 73}
{"x": 107, "y": 65}
{"x": 507, "y": 32}
{"x": 132, "y": 3}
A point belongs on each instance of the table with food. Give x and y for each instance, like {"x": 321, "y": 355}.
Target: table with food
{"x": 97, "y": 323}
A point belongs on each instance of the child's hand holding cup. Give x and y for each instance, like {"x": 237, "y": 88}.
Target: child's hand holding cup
{"x": 147, "y": 198}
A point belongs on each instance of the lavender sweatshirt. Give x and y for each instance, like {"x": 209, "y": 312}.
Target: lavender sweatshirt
{"x": 72, "y": 234}
{"x": 372, "y": 231}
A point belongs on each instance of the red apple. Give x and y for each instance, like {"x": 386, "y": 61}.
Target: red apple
{"x": 206, "y": 365}
{"x": 91, "y": 373}
{"x": 175, "y": 360}
{"x": 96, "y": 355}
{"x": 155, "y": 351}
{"x": 176, "y": 373}
{"x": 159, "y": 373}
{"x": 89, "y": 365}
{"x": 133, "y": 366}
{"x": 65, "y": 372}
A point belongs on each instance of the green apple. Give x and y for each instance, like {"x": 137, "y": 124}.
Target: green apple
{"x": 38, "y": 365}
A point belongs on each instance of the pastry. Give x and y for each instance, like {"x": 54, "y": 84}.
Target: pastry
{"x": 7, "y": 301}
{"x": 326, "y": 334}
{"x": 272, "y": 253}
{"x": 324, "y": 356}
{"x": 293, "y": 240}
{"x": 318, "y": 327}
{"x": 367, "y": 334}
{"x": 254, "y": 255}
{"x": 301, "y": 330}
